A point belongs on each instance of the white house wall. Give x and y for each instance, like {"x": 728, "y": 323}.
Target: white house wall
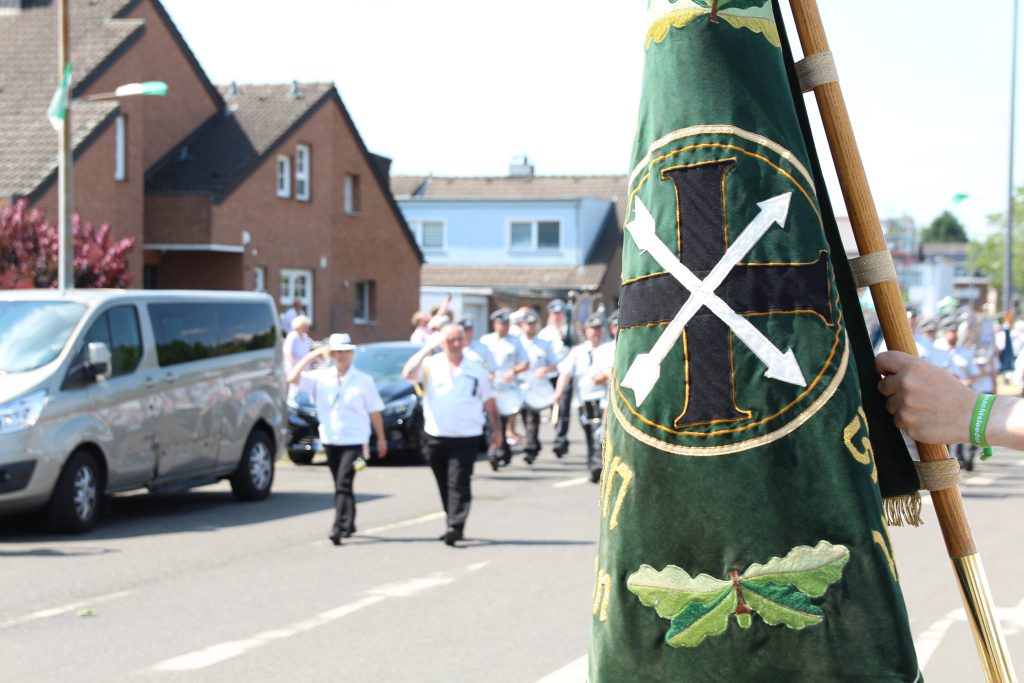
{"x": 477, "y": 232}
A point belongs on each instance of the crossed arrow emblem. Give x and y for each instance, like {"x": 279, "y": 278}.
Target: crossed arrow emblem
{"x": 645, "y": 370}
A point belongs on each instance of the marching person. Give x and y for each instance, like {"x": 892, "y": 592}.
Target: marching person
{"x": 297, "y": 344}
{"x": 589, "y": 367}
{"x": 456, "y": 395}
{"x": 543, "y": 362}
{"x": 347, "y": 403}
{"x": 472, "y": 348}
{"x": 959, "y": 362}
{"x": 509, "y": 360}
{"x": 288, "y": 317}
{"x": 556, "y": 333}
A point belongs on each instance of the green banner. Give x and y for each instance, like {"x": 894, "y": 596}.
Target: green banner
{"x": 742, "y": 536}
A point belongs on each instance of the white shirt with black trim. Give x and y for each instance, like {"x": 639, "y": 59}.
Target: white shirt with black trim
{"x": 453, "y": 397}
{"x": 343, "y": 404}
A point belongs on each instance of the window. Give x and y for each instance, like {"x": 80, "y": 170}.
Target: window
{"x": 535, "y": 235}
{"x": 429, "y": 234}
{"x": 184, "y": 332}
{"x": 352, "y": 200}
{"x": 364, "y": 302}
{"x": 284, "y": 176}
{"x": 259, "y": 279}
{"x": 120, "y": 149}
{"x": 521, "y": 236}
{"x": 297, "y": 284}
{"x": 118, "y": 328}
{"x": 302, "y": 172}
{"x": 548, "y": 235}
{"x": 243, "y": 327}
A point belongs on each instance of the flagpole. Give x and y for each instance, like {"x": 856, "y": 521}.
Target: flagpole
{"x": 949, "y": 505}
{"x": 65, "y": 249}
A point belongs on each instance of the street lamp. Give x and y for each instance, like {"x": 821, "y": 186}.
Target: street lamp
{"x": 1008, "y": 256}
{"x": 60, "y": 111}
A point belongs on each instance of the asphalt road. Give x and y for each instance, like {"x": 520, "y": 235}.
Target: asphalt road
{"x": 199, "y": 587}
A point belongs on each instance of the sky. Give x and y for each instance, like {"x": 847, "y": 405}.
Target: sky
{"x": 460, "y": 87}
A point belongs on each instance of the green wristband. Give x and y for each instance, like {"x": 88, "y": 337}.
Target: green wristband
{"x": 979, "y": 422}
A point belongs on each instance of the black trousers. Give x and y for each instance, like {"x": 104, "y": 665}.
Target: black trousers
{"x": 564, "y": 408}
{"x": 505, "y": 454}
{"x": 341, "y": 460}
{"x": 593, "y": 433}
{"x": 531, "y": 420}
{"x": 451, "y": 459}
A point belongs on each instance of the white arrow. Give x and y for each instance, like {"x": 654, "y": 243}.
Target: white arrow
{"x": 646, "y": 367}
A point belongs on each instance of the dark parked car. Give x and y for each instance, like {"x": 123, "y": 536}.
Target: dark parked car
{"x": 402, "y": 414}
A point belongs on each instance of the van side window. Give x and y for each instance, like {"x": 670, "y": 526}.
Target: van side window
{"x": 118, "y": 328}
{"x": 244, "y": 327}
{"x": 184, "y": 332}
{"x": 126, "y": 346}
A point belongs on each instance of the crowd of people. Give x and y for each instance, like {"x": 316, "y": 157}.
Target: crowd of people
{"x": 475, "y": 391}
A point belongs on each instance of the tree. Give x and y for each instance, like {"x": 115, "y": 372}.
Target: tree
{"x": 987, "y": 255}
{"x": 945, "y": 228}
{"x": 29, "y": 250}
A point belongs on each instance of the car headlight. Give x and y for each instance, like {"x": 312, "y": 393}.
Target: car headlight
{"x": 400, "y": 408}
{"x": 21, "y": 413}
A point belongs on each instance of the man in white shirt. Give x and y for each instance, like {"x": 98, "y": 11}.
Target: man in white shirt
{"x": 556, "y": 333}
{"x": 509, "y": 360}
{"x": 589, "y": 367}
{"x": 474, "y": 349}
{"x": 347, "y": 403}
{"x": 542, "y": 363}
{"x": 456, "y": 395}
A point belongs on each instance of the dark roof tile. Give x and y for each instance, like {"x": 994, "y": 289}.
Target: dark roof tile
{"x": 29, "y": 75}
{"x": 229, "y": 147}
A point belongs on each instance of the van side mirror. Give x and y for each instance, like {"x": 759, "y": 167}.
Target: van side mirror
{"x": 98, "y": 359}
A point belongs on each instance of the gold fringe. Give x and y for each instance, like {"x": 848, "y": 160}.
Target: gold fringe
{"x": 901, "y": 510}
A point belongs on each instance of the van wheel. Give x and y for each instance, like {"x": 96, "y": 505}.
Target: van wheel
{"x": 255, "y": 473}
{"x": 75, "y": 504}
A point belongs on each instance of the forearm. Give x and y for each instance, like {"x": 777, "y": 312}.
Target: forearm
{"x": 378, "y": 427}
{"x": 411, "y": 370}
{"x": 491, "y": 408}
{"x": 1006, "y": 423}
{"x": 296, "y": 371}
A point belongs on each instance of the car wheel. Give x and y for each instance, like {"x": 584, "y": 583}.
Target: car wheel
{"x": 75, "y": 504}
{"x": 255, "y": 473}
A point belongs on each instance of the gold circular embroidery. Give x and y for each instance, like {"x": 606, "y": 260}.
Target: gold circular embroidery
{"x": 739, "y": 446}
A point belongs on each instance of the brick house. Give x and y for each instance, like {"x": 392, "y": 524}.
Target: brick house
{"x": 233, "y": 187}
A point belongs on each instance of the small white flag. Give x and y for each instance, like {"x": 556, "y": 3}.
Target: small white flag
{"x": 59, "y": 104}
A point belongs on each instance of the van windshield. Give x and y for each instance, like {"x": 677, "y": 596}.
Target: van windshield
{"x": 33, "y": 333}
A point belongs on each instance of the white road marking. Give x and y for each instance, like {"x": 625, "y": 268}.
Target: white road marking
{"x": 57, "y": 611}
{"x": 979, "y": 481}
{"x": 573, "y": 672}
{"x": 571, "y": 482}
{"x": 1012, "y": 619}
{"x": 215, "y": 654}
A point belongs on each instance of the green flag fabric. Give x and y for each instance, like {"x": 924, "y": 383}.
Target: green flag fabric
{"x": 742, "y": 528}
{"x": 57, "y": 111}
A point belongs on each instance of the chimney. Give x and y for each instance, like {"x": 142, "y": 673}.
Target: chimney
{"x": 520, "y": 167}
{"x": 294, "y": 90}
{"x": 233, "y": 89}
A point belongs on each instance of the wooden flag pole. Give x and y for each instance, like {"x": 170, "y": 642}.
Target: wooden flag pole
{"x": 949, "y": 505}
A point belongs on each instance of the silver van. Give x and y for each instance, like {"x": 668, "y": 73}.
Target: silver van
{"x": 104, "y": 391}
